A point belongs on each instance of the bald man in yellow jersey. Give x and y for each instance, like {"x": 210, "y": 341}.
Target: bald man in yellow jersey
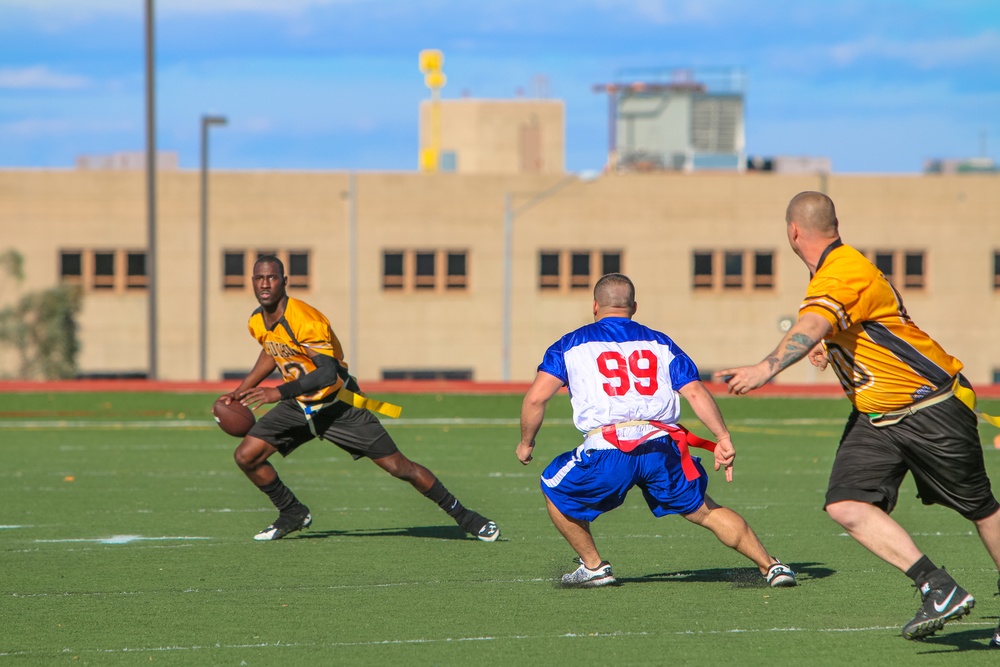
{"x": 298, "y": 340}
{"x": 906, "y": 417}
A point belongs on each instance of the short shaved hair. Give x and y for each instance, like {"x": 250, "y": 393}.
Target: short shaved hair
{"x": 270, "y": 259}
{"x": 813, "y": 211}
{"x": 614, "y": 290}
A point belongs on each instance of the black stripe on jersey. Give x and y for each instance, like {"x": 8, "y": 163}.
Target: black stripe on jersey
{"x": 906, "y": 353}
{"x": 833, "y": 246}
{"x": 288, "y": 329}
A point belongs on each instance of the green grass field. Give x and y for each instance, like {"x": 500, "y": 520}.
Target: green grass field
{"x": 126, "y": 539}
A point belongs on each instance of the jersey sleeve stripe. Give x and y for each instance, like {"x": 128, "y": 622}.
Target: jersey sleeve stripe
{"x": 830, "y": 305}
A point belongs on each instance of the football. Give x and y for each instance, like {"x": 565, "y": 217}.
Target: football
{"x": 234, "y": 418}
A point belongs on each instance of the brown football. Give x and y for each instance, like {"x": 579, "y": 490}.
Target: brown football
{"x": 234, "y": 418}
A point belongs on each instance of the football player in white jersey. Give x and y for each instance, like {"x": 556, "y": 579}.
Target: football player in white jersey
{"x": 625, "y": 381}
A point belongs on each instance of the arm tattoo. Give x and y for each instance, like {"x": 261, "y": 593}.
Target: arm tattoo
{"x": 772, "y": 362}
{"x": 798, "y": 346}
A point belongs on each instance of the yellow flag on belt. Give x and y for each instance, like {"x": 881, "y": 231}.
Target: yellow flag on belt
{"x": 365, "y": 403}
{"x": 968, "y": 396}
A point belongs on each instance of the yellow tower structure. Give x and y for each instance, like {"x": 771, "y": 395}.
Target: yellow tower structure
{"x": 431, "y": 62}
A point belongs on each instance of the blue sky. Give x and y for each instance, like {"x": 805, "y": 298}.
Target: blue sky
{"x": 333, "y": 84}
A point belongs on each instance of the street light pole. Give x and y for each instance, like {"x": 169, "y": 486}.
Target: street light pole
{"x": 150, "y": 35}
{"x": 508, "y": 242}
{"x": 206, "y": 123}
{"x": 510, "y": 213}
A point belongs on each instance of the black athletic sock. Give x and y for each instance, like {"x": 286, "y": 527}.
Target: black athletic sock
{"x": 280, "y": 495}
{"x": 469, "y": 520}
{"x": 921, "y": 570}
{"x": 444, "y": 499}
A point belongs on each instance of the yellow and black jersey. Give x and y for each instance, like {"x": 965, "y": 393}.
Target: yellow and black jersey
{"x": 884, "y": 361}
{"x": 301, "y": 328}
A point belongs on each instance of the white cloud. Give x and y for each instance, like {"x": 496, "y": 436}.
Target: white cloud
{"x": 47, "y": 128}
{"x": 40, "y": 77}
{"x": 671, "y": 12}
{"x": 924, "y": 54}
{"x": 257, "y": 125}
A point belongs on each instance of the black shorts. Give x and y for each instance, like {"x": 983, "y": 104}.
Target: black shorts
{"x": 354, "y": 430}
{"x": 939, "y": 445}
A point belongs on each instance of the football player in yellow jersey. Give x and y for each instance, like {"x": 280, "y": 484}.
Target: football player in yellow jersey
{"x": 906, "y": 417}
{"x": 298, "y": 340}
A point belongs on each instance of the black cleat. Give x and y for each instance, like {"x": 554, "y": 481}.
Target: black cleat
{"x": 943, "y": 601}
{"x": 476, "y": 524}
{"x": 289, "y": 521}
{"x": 489, "y": 533}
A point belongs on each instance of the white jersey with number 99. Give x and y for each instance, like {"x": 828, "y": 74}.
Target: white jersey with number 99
{"x": 617, "y": 371}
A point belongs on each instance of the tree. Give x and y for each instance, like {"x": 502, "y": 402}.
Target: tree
{"x": 41, "y": 327}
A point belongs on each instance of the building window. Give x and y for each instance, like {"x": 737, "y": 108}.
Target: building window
{"x": 548, "y": 270}
{"x": 234, "y": 270}
{"x": 996, "y": 270}
{"x": 904, "y": 269}
{"x": 448, "y": 161}
{"x": 733, "y": 263}
{"x": 135, "y": 271}
{"x": 236, "y": 262}
{"x": 885, "y": 262}
{"x": 392, "y": 270}
{"x": 457, "y": 271}
{"x": 575, "y": 269}
{"x": 732, "y": 270}
{"x": 71, "y": 267}
{"x": 104, "y": 270}
{"x": 298, "y": 269}
{"x": 611, "y": 262}
{"x": 913, "y": 270}
{"x": 703, "y": 271}
{"x": 426, "y": 270}
{"x": 408, "y": 270}
{"x": 763, "y": 270}
{"x": 579, "y": 270}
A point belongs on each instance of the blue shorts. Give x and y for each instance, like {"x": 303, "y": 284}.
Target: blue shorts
{"x": 586, "y": 483}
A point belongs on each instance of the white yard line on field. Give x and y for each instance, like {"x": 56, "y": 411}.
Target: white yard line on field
{"x": 121, "y": 539}
{"x": 446, "y": 640}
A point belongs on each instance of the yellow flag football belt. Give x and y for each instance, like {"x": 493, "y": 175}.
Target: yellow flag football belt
{"x": 357, "y": 400}
{"x": 967, "y": 396}
{"x": 963, "y": 393}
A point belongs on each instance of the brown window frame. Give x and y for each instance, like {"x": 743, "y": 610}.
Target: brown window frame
{"x": 72, "y": 278}
{"x": 570, "y": 277}
{"x": 414, "y": 277}
{"x": 136, "y": 280}
{"x": 733, "y": 270}
{"x": 99, "y": 280}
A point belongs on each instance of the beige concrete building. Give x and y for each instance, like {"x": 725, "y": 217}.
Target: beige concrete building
{"x": 410, "y": 268}
{"x": 521, "y": 136}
